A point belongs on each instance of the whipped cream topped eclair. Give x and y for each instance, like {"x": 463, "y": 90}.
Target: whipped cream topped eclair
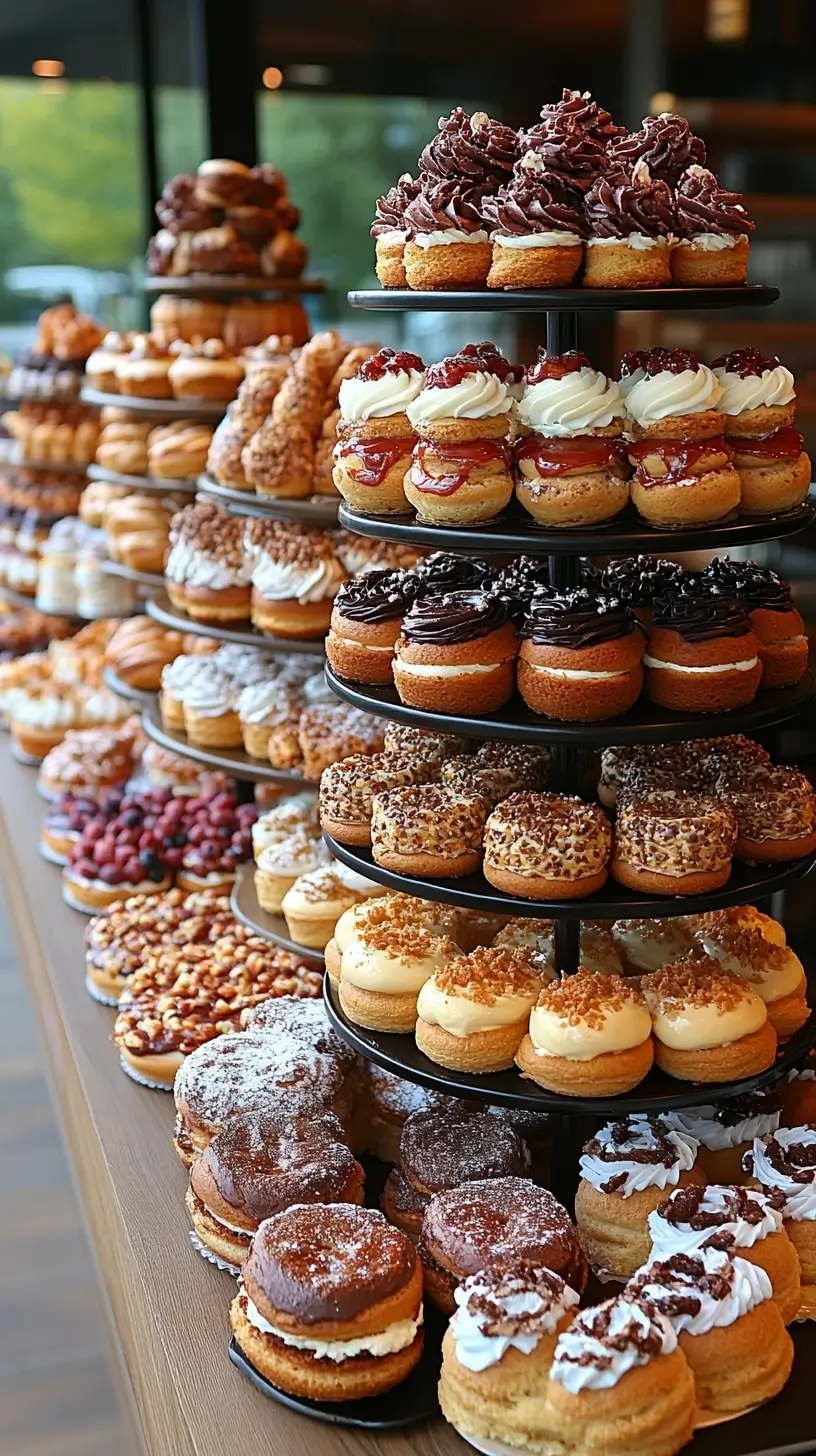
{"x": 390, "y": 232}
{"x": 759, "y": 405}
{"x": 631, "y": 229}
{"x": 580, "y": 656}
{"x": 374, "y": 434}
{"x": 537, "y": 228}
{"x": 570, "y": 462}
{"x": 713, "y": 226}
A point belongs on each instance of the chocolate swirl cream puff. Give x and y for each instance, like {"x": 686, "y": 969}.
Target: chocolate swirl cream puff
{"x": 536, "y": 229}
{"x": 772, "y": 612}
{"x": 473, "y": 1012}
{"x": 366, "y": 621}
{"x": 727, "y": 1325}
{"x": 374, "y": 434}
{"x": 590, "y": 1035}
{"x": 741, "y": 1221}
{"x": 702, "y": 655}
{"x": 708, "y": 1026}
{"x": 785, "y": 1165}
{"x": 498, "y": 1350}
{"x": 580, "y": 657}
{"x": 456, "y": 653}
{"x": 683, "y": 470}
{"x": 570, "y": 462}
{"x": 390, "y": 233}
{"x": 461, "y": 467}
{"x": 638, "y": 580}
{"x": 625, "y": 1171}
{"x": 759, "y": 405}
{"x": 330, "y": 1303}
{"x": 631, "y": 223}
{"x": 712, "y": 225}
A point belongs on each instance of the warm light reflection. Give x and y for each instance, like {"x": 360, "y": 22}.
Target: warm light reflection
{"x": 48, "y": 68}
{"x": 272, "y": 78}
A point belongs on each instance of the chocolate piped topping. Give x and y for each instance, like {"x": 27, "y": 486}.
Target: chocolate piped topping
{"x": 533, "y": 202}
{"x": 578, "y": 108}
{"x": 796, "y": 1162}
{"x": 647, "y": 1337}
{"x": 570, "y": 157}
{"x": 450, "y": 203}
{"x": 390, "y": 211}
{"x": 637, "y": 580}
{"x": 576, "y": 619}
{"x": 446, "y": 618}
{"x": 377, "y": 596}
{"x": 470, "y": 148}
{"x": 703, "y": 206}
{"x": 682, "y": 1281}
{"x": 620, "y": 203}
{"x": 699, "y": 616}
{"x": 753, "y": 585}
{"x": 665, "y": 143}
{"x": 734, "y": 1205}
{"x": 748, "y": 363}
{"x": 441, "y": 571}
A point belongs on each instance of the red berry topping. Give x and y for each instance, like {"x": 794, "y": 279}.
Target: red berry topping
{"x": 745, "y": 362}
{"x": 555, "y": 366}
{"x": 389, "y": 361}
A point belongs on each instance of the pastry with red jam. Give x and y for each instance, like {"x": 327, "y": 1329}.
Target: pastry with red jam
{"x": 537, "y": 228}
{"x": 713, "y": 226}
{"x": 571, "y": 467}
{"x": 759, "y": 407}
{"x": 580, "y": 658}
{"x": 461, "y": 467}
{"x": 779, "y": 628}
{"x": 366, "y": 622}
{"x": 448, "y": 244}
{"x": 456, "y": 654}
{"x": 683, "y": 470}
{"x": 702, "y": 655}
{"x": 631, "y": 227}
{"x": 390, "y": 233}
{"x": 375, "y": 436}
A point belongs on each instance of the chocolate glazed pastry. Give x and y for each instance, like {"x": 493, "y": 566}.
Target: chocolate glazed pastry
{"x": 631, "y": 217}
{"x": 580, "y": 656}
{"x": 702, "y": 654}
{"x": 390, "y": 233}
{"x": 442, "y": 571}
{"x": 456, "y": 653}
{"x": 471, "y": 148}
{"x": 665, "y": 143}
{"x": 448, "y": 246}
{"x": 536, "y": 205}
{"x": 366, "y": 622}
{"x": 780, "y": 630}
{"x": 637, "y": 580}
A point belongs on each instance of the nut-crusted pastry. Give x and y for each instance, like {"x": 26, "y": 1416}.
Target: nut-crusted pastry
{"x": 708, "y": 1026}
{"x": 776, "y": 814}
{"x": 427, "y": 830}
{"x": 329, "y": 731}
{"x": 626, "y": 1169}
{"x": 278, "y": 459}
{"x": 492, "y": 782}
{"x": 473, "y": 1013}
{"x": 404, "y": 738}
{"x": 295, "y": 577}
{"x": 784, "y": 1166}
{"x": 668, "y": 842}
{"x": 547, "y": 846}
{"x": 384, "y": 966}
{"x": 348, "y": 789}
{"x": 88, "y": 761}
{"x": 589, "y": 1036}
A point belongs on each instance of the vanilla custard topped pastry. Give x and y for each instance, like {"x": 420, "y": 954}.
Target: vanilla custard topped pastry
{"x": 474, "y": 1011}
{"x": 384, "y": 967}
{"x": 775, "y": 971}
{"x": 590, "y": 1035}
{"x": 708, "y": 1026}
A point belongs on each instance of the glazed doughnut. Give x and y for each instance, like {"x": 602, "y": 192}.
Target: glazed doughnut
{"x": 672, "y": 843}
{"x": 547, "y": 846}
{"x": 708, "y": 1026}
{"x": 348, "y": 789}
{"x": 427, "y": 830}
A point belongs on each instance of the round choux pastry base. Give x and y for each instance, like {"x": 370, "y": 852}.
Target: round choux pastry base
{"x": 36, "y": 742}
{"x": 222, "y": 1241}
{"x": 651, "y": 1411}
{"x": 472, "y": 693}
{"x": 616, "y": 265}
{"x": 460, "y": 430}
{"x": 177, "y": 594}
{"x": 778, "y": 1257}
{"x": 696, "y": 882}
{"x": 378, "y": 1010}
{"x": 602, "y": 1076}
{"x": 385, "y": 427}
{"x": 385, "y": 499}
{"x": 346, "y": 831}
{"x": 221, "y": 732}
{"x": 300, "y": 1373}
{"x": 774, "y": 851}
{"x": 782, "y": 645}
{"x": 291, "y": 618}
{"x": 581, "y": 701}
{"x": 505, "y": 1402}
{"x": 486, "y": 491}
{"x": 743, "y": 1364}
{"x": 614, "y": 1231}
{"x": 778, "y": 486}
{"x": 333, "y": 957}
{"x": 231, "y": 604}
{"x": 172, "y": 712}
{"x": 698, "y": 502}
{"x": 760, "y": 422}
{"x": 429, "y": 864}
{"x": 390, "y": 264}
{"x": 686, "y": 429}
{"x": 311, "y": 931}
{"x": 255, "y": 738}
{"x": 155, "y": 1066}
{"x": 270, "y": 890}
{"x": 546, "y": 267}
{"x": 788, "y": 1013}
{"x": 585, "y": 498}
{"x": 699, "y": 268}
{"x": 744, "y": 1057}
{"x": 539, "y": 887}
{"x": 447, "y": 265}
{"x": 367, "y": 656}
{"x": 802, "y": 1234}
{"x": 483, "y": 1051}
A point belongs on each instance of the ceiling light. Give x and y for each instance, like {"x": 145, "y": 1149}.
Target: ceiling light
{"x": 48, "y": 68}
{"x": 272, "y": 78}
{"x": 662, "y": 101}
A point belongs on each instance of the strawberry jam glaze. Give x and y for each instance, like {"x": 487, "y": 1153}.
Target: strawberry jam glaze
{"x": 378, "y": 457}
{"x": 555, "y": 366}
{"x": 679, "y": 456}
{"x": 556, "y": 457}
{"x": 387, "y": 361}
{"x": 465, "y": 455}
{"x": 784, "y": 444}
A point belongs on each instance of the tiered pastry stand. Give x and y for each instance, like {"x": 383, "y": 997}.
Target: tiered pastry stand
{"x": 245, "y": 907}
{"x": 158, "y": 484}
{"x": 316, "y": 510}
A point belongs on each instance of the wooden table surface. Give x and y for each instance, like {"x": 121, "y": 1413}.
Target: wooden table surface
{"x": 169, "y": 1307}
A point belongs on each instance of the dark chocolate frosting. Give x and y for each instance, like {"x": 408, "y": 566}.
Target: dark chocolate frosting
{"x": 179, "y": 211}
{"x": 570, "y": 157}
{"x": 533, "y": 203}
{"x": 262, "y": 1162}
{"x": 637, "y": 580}
{"x": 451, "y": 203}
{"x": 577, "y": 108}
{"x": 576, "y": 619}
{"x": 442, "y": 571}
{"x": 703, "y": 206}
{"x": 621, "y": 202}
{"x": 390, "y": 210}
{"x": 698, "y": 615}
{"x": 377, "y": 596}
{"x": 444, "y": 618}
{"x": 470, "y": 149}
{"x": 753, "y": 585}
{"x": 665, "y": 143}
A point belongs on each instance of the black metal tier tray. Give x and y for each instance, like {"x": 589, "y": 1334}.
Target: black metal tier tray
{"x": 198, "y": 283}
{"x": 160, "y": 610}
{"x": 645, "y": 723}
{"x": 613, "y": 902}
{"x": 229, "y": 760}
{"x": 515, "y": 533}
{"x": 245, "y": 907}
{"x": 656, "y": 1093}
{"x": 161, "y": 484}
{"x": 316, "y": 510}
{"x": 560, "y": 300}
{"x": 160, "y": 409}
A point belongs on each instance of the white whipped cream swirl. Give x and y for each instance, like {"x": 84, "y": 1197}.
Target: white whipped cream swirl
{"x": 703, "y": 1124}
{"x": 667, "y": 396}
{"x": 748, "y": 1286}
{"x": 479, "y": 396}
{"x": 376, "y": 399}
{"x": 603, "y": 1364}
{"x": 800, "y": 1198}
{"x": 681, "y": 1238}
{"x": 755, "y": 391}
{"x": 642, "y": 1135}
{"x": 564, "y": 408}
{"x": 476, "y": 1349}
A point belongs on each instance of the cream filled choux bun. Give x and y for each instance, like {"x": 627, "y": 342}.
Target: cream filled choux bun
{"x": 401, "y": 910}
{"x": 725, "y": 1133}
{"x": 384, "y": 967}
{"x": 647, "y": 945}
{"x": 733, "y": 919}
{"x": 589, "y": 1036}
{"x": 626, "y": 1169}
{"x": 473, "y": 1012}
{"x": 315, "y": 902}
{"x": 708, "y": 1026}
{"x": 744, "y": 1221}
{"x": 620, "y": 1384}
{"x": 497, "y": 1353}
{"x": 785, "y": 1165}
{"x": 727, "y": 1325}
{"x": 774, "y": 971}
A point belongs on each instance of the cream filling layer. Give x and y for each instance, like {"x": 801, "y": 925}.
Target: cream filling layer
{"x": 572, "y": 674}
{"x": 558, "y": 238}
{"x": 430, "y": 669}
{"x": 394, "y": 974}
{"x": 698, "y": 1028}
{"x": 621, "y": 1029}
{"x": 391, "y": 1340}
{"x": 638, "y": 242}
{"x": 746, "y": 665}
{"x": 442, "y": 236}
{"x": 362, "y": 646}
{"x": 712, "y": 242}
{"x": 462, "y": 1017}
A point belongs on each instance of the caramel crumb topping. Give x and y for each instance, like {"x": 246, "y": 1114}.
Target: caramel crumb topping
{"x": 693, "y": 982}
{"x": 488, "y": 974}
{"x": 588, "y": 997}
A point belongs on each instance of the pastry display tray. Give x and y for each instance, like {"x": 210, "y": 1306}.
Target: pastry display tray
{"x": 552, "y": 300}
{"x": 161, "y": 409}
{"x": 316, "y": 510}
{"x": 245, "y": 907}
{"x": 129, "y": 573}
{"x": 230, "y": 760}
{"x": 160, "y": 610}
{"x": 162, "y": 484}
